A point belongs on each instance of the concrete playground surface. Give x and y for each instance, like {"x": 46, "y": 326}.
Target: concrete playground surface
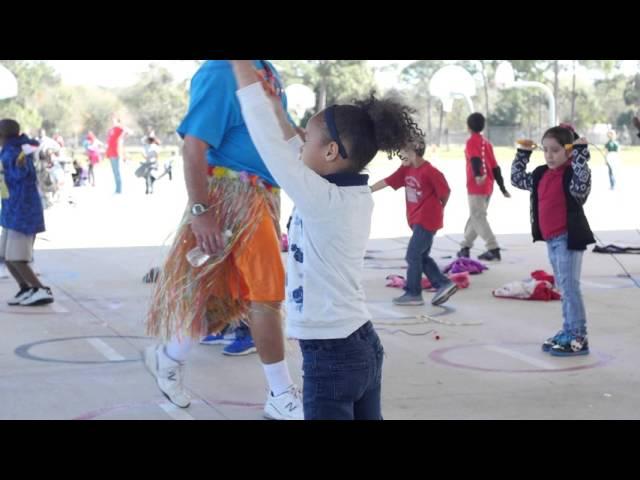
{"x": 478, "y": 357}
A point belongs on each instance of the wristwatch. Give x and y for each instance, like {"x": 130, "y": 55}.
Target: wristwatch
{"x": 198, "y": 209}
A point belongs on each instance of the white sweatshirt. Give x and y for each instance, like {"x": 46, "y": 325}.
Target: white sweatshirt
{"x": 328, "y": 233}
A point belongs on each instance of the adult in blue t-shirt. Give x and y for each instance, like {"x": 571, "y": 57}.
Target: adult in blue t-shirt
{"x": 251, "y": 274}
{"x": 214, "y": 117}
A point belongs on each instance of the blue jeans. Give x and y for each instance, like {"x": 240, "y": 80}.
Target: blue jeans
{"x": 567, "y": 265}
{"x": 343, "y": 377}
{"x": 115, "y": 166}
{"x": 418, "y": 261}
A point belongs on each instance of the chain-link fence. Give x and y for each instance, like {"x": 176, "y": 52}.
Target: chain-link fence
{"x": 507, "y": 136}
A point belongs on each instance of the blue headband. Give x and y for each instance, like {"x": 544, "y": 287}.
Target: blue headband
{"x": 333, "y": 131}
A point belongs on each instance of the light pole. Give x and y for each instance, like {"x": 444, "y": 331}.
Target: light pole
{"x": 505, "y": 78}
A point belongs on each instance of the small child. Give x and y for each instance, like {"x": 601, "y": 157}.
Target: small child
{"x": 21, "y": 216}
{"x": 559, "y": 189}
{"x": 151, "y": 163}
{"x": 326, "y": 309}
{"x": 612, "y": 147}
{"x": 92, "y": 148}
{"x": 78, "y": 174}
{"x": 427, "y": 193}
{"x": 482, "y": 170}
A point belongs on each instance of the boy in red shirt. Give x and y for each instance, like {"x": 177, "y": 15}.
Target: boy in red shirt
{"x": 482, "y": 170}
{"x": 427, "y": 193}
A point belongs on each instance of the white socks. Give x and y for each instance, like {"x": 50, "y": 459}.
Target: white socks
{"x": 277, "y": 374}
{"x": 278, "y": 377}
{"x": 178, "y": 350}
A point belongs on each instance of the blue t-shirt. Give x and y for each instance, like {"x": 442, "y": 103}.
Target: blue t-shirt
{"x": 22, "y": 211}
{"x": 215, "y": 117}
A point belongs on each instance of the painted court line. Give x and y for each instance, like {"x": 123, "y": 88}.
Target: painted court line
{"x": 384, "y": 310}
{"x": 56, "y": 307}
{"x": 589, "y": 283}
{"x": 521, "y": 356}
{"x": 105, "y": 349}
{"x": 175, "y": 412}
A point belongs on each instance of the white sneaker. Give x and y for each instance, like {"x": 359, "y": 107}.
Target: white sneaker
{"x": 286, "y": 406}
{"x": 38, "y": 296}
{"x": 168, "y": 374}
{"x": 21, "y": 295}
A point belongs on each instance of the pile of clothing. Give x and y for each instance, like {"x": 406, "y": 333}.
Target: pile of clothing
{"x": 616, "y": 249}
{"x": 398, "y": 281}
{"x": 465, "y": 265}
{"x": 541, "y": 286}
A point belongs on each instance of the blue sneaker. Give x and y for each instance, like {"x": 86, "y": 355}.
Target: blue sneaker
{"x": 223, "y": 338}
{"x": 570, "y": 347}
{"x": 241, "y": 346}
{"x": 551, "y": 341}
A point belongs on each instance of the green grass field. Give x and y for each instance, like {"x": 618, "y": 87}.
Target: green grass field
{"x": 630, "y": 156}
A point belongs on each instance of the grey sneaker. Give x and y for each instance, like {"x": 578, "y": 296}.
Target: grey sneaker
{"x": 408, "y": 300}
{"x": 444, "y": 293}
{"x": 491, "y": 255}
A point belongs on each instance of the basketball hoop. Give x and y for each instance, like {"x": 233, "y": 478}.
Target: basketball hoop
{"x": 8, "y": 84}
{"x": 451, "y": 82}
{"x": 300, "y": 98}
{"x": 505, "y": 78}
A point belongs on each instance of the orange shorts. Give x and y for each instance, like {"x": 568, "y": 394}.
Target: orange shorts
{"x": 255, "y": 271}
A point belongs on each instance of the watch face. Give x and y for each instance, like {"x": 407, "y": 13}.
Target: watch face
{"x": 197, "y": 209}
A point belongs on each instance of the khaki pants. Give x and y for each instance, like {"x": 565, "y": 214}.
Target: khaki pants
{"x": 478, "y": 224}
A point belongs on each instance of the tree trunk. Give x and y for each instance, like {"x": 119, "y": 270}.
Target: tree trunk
{"x": 323, "y": 72}
{"x": 573, "y": 93}
{"x": 440, "y": 125}
{"x": 486, "y": 99}
{"x": 556, "y": 72}
{"x": 322, "y": 96}
{"x": 540, "y": 100}
{"x": 430, "y": 138}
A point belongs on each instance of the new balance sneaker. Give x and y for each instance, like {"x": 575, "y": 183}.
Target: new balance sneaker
{"x": 571, "y": 346}
{"x": 490, "y": 255}
{"x": 240, "y": 346}
{"x": 551, "y": 341}
{"x": 169, "y": 375}
{"x": 408, "y": 300}
{"x": 444, "y": 293}
{"x": 21, "y": 295}
{"x": 38, "y": 296}
{"x": 286, "y": 406}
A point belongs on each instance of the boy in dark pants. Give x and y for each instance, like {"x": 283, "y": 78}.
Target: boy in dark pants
{"x": 427, "y": 193}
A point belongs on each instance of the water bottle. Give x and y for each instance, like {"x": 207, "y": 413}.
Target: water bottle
{"x": 196, "y": 257}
